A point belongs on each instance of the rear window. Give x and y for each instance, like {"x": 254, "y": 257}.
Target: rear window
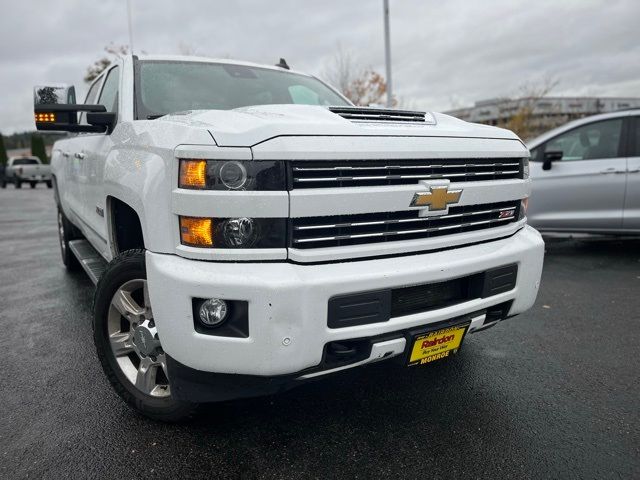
{"x": 25, "y": 161}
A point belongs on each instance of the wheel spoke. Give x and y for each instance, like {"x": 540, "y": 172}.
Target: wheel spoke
{"x": 162, "y": 360}
{"x": 146, "y": 377}
{"x": 126, "y": 305}
{"x": 121, "y": 343}
{"x": 147, "y": 300}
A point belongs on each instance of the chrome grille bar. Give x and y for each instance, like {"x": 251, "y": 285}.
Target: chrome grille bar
{"x": 388, "y": 167}
{"x": 318, "y": 232}
{"x": 402, "y": 220}
{"x": 395, "y": 177}
{"x": 360, "y": 173}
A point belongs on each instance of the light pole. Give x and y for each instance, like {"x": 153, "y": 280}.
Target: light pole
{"x": 129, "y": 21}
{"x": 387, "y": 54}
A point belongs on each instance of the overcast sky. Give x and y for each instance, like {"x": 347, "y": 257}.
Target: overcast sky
{"x": 445, "y": 54}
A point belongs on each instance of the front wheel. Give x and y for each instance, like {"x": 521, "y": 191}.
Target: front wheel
{"x": 127, "y": 340}
{"x": 3, "y": 183}
{"x": 17, "y": 183}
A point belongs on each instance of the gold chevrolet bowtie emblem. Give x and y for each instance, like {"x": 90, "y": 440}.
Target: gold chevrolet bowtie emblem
{"x": 437, "y": 198}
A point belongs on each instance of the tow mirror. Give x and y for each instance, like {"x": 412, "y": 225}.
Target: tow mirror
{"x": 549, "y": 158}
{"x": 55, "y": 108}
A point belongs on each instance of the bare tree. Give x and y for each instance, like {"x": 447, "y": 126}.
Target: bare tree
{"x": 101, "y": 64}
{"x": 363, "y": 86}
{"x": 523, "y": 121}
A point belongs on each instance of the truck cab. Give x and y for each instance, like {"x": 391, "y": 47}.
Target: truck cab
{"x": 250, "y": 229}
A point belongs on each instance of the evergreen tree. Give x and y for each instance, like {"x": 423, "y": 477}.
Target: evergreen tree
{"x": 3, "y": 151}
{"x": 37, "y": 148}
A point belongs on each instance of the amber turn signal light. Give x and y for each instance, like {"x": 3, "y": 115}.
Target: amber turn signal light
{"x": 196, "y": 232}
{"x": 193, "y": 174}
{"x": 45, "y": 117}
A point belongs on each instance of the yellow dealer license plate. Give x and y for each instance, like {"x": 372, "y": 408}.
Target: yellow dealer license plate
{"x": 436, "y": 345}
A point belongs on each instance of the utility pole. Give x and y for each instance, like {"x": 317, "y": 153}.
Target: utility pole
{"x": 130, "y": 26}
{"x": 387, "y": 53}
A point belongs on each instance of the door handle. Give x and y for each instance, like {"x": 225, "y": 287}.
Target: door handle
{"x": 79, "y": 155}
{"x": 612, "y": 170}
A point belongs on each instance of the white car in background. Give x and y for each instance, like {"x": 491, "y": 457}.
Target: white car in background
{"x": 586, "y": 176}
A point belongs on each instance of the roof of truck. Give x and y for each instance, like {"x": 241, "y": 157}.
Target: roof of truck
{"x": 189, "y": 58}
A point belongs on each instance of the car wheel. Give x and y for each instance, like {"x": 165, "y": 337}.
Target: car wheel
{"x": 3, "y": 184}
{"x": 127, "y": 340}
{"x": 49, "y": 184}
{"x": 17, "y": 183}
{"x": 33, "y": 184}
{"x": 66, "y": 233}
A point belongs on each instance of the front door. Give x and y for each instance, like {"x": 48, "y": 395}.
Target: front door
{"x": 585, "y": 190}
{"x": 95, "y": 150}
{"x": 631, "y": 220}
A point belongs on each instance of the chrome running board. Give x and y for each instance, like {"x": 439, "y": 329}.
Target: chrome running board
{"x": 90, "y": 260}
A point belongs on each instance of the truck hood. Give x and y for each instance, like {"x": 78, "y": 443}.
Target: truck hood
{"x": 248, "y": 126}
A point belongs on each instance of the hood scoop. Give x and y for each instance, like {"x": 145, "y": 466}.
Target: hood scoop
{"x": 376, "y": 115}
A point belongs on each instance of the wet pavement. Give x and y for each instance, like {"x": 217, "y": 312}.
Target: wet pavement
{"x": 553, "y": 393}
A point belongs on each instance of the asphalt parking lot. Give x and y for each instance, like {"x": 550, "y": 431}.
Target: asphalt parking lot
{"x": 550, "y": 394}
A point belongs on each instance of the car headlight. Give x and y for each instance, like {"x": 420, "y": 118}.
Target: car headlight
{"x": 233, "y": 232}
{"x": 232, "y": 175}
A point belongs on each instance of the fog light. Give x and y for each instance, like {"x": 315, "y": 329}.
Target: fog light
{"x": 213, "y": 312}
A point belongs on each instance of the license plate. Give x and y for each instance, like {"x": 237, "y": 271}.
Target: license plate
{"x": 437, "y": 344}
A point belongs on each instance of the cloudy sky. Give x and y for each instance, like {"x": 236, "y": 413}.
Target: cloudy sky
{"x": 445, "y": 54}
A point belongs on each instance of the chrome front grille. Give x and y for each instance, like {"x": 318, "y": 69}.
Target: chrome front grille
{"x": 342, "y": 230}
{"x": 364, "y": 173}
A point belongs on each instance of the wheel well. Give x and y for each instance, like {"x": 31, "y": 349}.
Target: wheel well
{"x": 126, "y": 228}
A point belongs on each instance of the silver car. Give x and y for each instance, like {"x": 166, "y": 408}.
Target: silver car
{"x": 586, "y": 176}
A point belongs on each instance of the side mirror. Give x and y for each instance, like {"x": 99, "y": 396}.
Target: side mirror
{"x": 55, "y": 108}
{"x": 549, "y": 158}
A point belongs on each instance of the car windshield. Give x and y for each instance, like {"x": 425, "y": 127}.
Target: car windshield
{"x": 25, "y": 161}
{"x": 164, "y": 87}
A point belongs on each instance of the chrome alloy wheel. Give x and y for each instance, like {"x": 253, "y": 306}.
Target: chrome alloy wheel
{"x": 134, "y": 339}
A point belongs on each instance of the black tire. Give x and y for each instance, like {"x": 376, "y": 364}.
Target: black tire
{"x": 49, "y": 184}
{"x": 126, "y": 267}
{"x": 33, "y": 184}
{"x": 66, "y": 233}
{"x": 17, "y": 183}
{"x": 3, "y": 183}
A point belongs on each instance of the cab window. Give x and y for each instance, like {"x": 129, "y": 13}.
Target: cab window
{"x": 596, "y": 140}
{"x": 635, "y": 137}
{"x": 90, "y": 99}
{"x": 109, "y": 94}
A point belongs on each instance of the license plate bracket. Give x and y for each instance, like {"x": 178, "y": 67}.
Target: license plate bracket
{"x": 437, "y": 343}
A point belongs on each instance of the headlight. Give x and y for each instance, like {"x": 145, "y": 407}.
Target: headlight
{"x": 232, "y": 175}
{"x": 233, "y": 232}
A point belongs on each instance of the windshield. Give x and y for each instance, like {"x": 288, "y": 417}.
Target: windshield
{"x": 25, "y": 161}
{"x": 164, "y": 87}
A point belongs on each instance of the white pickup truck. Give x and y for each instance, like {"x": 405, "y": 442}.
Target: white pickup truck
{"x": 29, "y": 170}
{"x": 249, "y": 229}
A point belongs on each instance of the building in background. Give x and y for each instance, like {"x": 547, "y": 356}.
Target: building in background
{"x": 534, "y": 116}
